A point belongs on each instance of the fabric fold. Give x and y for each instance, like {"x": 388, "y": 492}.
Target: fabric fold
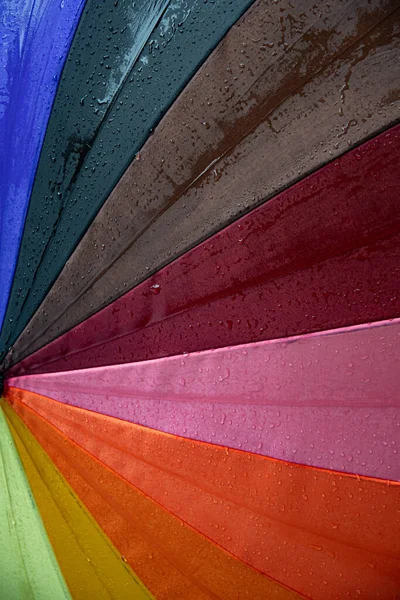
{"x": 91, "y": 565}
{"x": 327, "y": 399}
{"x": 28, "y": 566}
{"x": 243, "y": 130}
{"x": 35, "y": 37}
{"x": 172, "y": 559}
{"x": 309, "y": 259}
{"x": 114, "y": 90}
{"x": 282, "y": 519}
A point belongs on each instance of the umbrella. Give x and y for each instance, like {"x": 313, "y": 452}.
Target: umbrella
{"x": 201, "y": 332}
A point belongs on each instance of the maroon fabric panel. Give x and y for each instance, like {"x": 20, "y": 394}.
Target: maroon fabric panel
{"x": 323, "y": 254}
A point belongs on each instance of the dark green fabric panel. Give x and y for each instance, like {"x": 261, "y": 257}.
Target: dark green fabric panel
{"x": 110, "y": 98}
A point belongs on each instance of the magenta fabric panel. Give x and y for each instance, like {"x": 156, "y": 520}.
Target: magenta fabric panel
{"x": 323, "y": 254}
{"x": 325, "y": 399}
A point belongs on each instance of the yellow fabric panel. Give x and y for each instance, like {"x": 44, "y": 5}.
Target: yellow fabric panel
{"x": 89, "y": 562}
{"x": 28, "y": 565}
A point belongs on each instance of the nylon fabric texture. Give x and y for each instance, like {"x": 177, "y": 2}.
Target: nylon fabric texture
{"x": 91, "y": 566}
{"x": 35, "y": 36}
{"x": 28, "y": 567}
{"x": 234, "y": 156}
{"x": 121, "y": 87}
{"x": 326, "y": 400}
{"x": 253, "y": 281}
{"x": 172, "y": 559}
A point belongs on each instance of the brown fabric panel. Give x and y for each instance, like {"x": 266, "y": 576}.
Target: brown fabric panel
{"x": 285, "y": 92}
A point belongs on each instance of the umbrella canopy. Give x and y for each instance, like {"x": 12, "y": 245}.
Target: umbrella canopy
{"x": 200, "y": 257}
{"x": 36, "y": 37}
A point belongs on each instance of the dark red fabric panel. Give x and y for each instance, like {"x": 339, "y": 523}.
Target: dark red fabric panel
{"x": 322, "y": 254}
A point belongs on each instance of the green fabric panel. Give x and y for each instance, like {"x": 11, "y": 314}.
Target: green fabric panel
{"x": 111, "y": 96}
{"x": 28, "y": 567}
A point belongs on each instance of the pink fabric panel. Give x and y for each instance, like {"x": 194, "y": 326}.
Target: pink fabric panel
{"x": 327, "y": 399}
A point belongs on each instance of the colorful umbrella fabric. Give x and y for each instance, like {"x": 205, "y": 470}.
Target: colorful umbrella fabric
{"x": 200, "y": 299}
{"x": 35, "y": 39}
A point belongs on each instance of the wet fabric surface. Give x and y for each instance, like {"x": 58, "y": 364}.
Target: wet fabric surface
{"x": 171, "y": 558}
{"x": 280, "y": 518}
{"x": 328, "y": 400}
{"x": 205, "y": 164}
{"x": 117, "y": 87}
{"x": 91, "y": 565}
{"x": 200, "y": 353}
{"x": 35, "y": 37}
{"x": 307, "y": 260}
{"x": 28, "y": 567}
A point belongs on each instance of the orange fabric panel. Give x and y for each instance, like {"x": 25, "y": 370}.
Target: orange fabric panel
{"x": 173, "y": 560}
{"x": 325, "y": 534}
